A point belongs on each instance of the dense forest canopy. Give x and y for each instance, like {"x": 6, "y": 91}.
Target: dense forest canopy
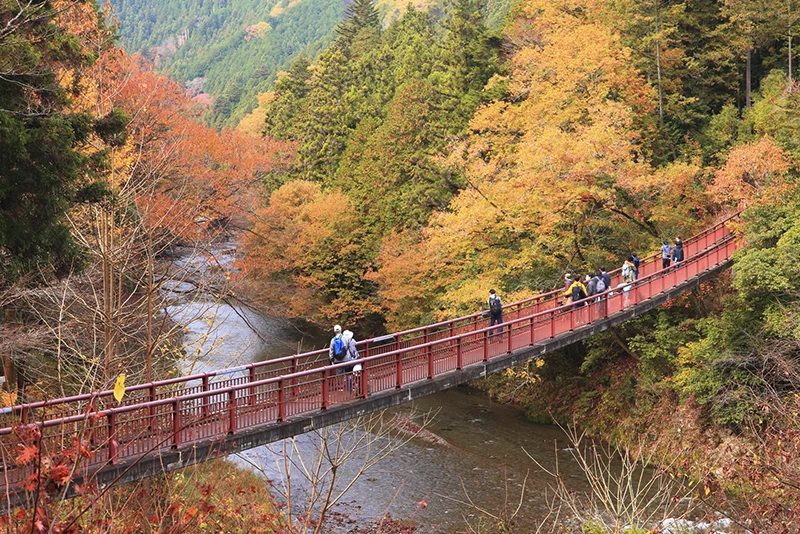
{"x": 471, "y": 158}
{"x": 228, "y": 52}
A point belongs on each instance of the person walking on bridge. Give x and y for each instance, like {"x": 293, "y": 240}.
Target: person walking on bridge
{"x": 606, "y": 279}
{"x": 591, "y": 285}
{"x": 666, "y": 254}
{"x": 495, "y": 310}
{"x": 343, "y": 349}
{"x": 677, "y": 251}
{"x": 578, "y": 292}
{"x": 628, "y": 277}
{"x": 343, "y": 346}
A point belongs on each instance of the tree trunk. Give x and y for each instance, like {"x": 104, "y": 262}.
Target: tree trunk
{"x": 789, "y": 24}
{"x": 9, "y": 369}
{"x": 748, "y": 65}
{"x": 658, "y": 73}
{"x": 149, "y": 311}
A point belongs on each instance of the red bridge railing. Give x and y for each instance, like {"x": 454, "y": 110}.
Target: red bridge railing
{"x": 173, "y": 413}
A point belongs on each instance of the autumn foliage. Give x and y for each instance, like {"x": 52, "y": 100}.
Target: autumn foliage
{"x": 754, "y": 173}
{"x": 307, "y": 240}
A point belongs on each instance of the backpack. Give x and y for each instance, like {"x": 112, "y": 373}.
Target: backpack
{"x": 495, "y": 306}
{"x": 591, "y": 287}
{"x": 601, "y": 285}
{"x": 581, "y": 294}
{"x": 339, "y": 348}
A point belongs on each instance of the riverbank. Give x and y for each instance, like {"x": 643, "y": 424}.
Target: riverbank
{"x": 740, "y": 472}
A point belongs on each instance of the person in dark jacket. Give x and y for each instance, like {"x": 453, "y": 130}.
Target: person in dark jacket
{"x": 635, "y": 259}
{"x": 495, "y": 310}
{"x": 606, "y": 278}
{"x": 591, "y": 285}
{"x": 677, "y": 251}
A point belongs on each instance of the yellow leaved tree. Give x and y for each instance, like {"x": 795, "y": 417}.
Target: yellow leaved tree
{"x": 306, "y": 243}
{"x": 554, "y": 173}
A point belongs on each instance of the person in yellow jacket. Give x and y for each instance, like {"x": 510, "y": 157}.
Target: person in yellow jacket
{"x": 577, "y": 291}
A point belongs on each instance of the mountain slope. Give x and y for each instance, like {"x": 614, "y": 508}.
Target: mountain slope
{"x": 227, "y": 52}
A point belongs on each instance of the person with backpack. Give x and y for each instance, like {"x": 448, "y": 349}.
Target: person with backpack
{"x": 606, "y": 278}
{"x": 343, "y": 346}
{"x": 495, "y": 310}
{"x": 635, "y": 259}
{"x": 591, "y": 285}
{"x": 666, "y": 254}
{"x": 600, "y": 285}
{"x": 578, "y": 292}
{"x": 343, "y": 349}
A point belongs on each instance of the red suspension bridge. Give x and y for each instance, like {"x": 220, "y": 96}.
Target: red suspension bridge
{"x": 173, "y": 423}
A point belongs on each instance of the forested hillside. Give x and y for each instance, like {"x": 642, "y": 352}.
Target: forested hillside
{"x": 459, "y": 157}
{"x": 232, "y": 51}
{"x": 418, "y": 160}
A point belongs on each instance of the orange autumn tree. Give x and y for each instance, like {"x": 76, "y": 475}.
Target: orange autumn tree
{"x": 167, "y": 179}
{"x": 551, "y": 169}
{"x": 753, "y": 173}
{"x": 305, "y": 247}
{"x": 208, "y": 174}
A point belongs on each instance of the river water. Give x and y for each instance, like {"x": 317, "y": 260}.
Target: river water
{"x": 477, "y": 461}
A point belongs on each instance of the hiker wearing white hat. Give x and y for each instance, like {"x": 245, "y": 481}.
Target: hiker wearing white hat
{"x": 343, "y": 349}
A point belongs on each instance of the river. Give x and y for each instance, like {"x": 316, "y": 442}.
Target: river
{"x": 482, "y": 462}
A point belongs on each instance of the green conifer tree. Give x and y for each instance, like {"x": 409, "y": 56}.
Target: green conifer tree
{"x": 40, "y": 168}
{"x": 467, "y": 59}
{"x": 290, "y": 94}
{"x": 359, "y": 15}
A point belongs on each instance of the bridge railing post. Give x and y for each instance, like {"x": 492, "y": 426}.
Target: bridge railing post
{"x": 399, "y": 370}
{"x": 459, "y": 355}
{"x": 112, "y": 438}
{"x": 205, "y": 397}
{"x": 429, "y": 351}
{"x": 552, "y": 324}
{"x": 176, "y": 423}
{"x": 510, "y": 326}
{"x": 363, "y": 380}
{"x": 532, "y": 329}
{"x": 232, "y": 426}
{"x": 90, "y": 424}
{"x": 152, "y": 409}
{"x": 324, "y": 405}
{"x": 281, "y": 401}
{"x": 252, "y": 390}
{"x": 486, "y": 345}
{"x": 425, "y": 339}
{"x": 293, "y": 393}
